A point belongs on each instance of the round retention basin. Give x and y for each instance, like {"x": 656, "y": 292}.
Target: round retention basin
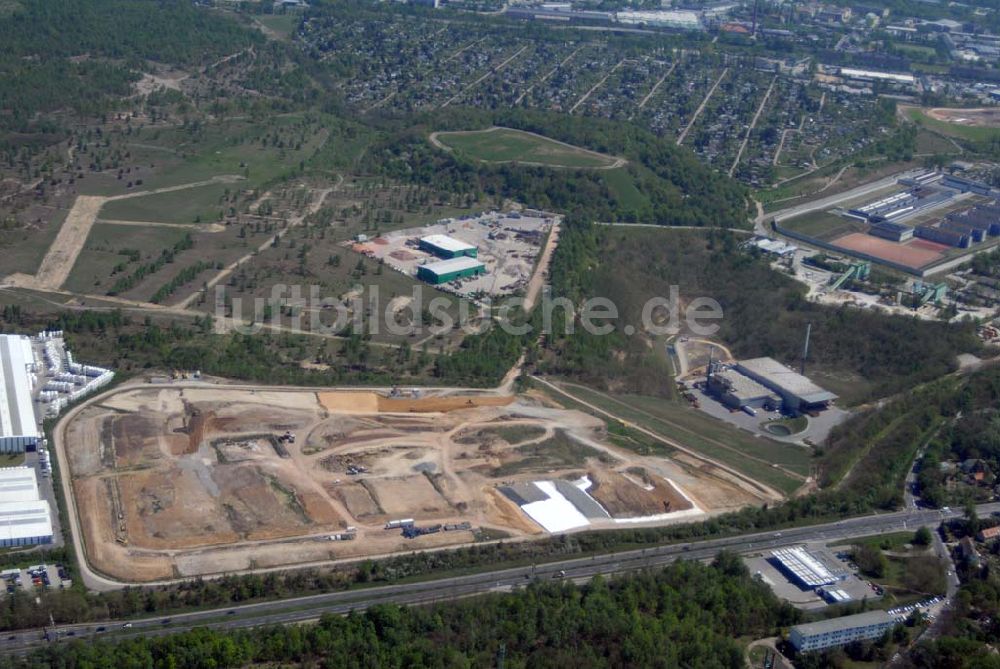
{"x": 779, "y": 430}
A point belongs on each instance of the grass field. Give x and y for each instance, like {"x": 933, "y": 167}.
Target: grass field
{"x": 91, "y": 272}
{"x": 191, "y": 205}
{"x": 22, "y": 249}
{"x": 822, "y": 225}
{"x": 621, "y": 184}
{"x": 740, "y": 450}
{"x": 165, "y": 156}
{"x": 504, "y": 145}
{"x": 281, "y": 25}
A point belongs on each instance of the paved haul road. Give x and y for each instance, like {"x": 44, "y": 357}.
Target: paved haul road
{"x": 303, "y": 609}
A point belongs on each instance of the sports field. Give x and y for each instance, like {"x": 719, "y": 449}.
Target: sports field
{"x": 976, "y": 125}
{"x": 914, "y": 253}
{"x": 506, "y": 145}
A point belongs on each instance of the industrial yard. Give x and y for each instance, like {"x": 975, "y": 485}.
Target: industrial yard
{"x": 182, "y": 480}
{"x": 497, "y": 256}
{"x": 922, "y": 224}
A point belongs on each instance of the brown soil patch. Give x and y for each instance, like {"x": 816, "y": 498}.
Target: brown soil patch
{"x": 349, "y": 402}
{"x": 624, "y": 498}
{"x": 442, "y": 404}
{"x": 502, "y": 511}
{"x": 370, "y": 402}
{"x": 408, "y": 496}
{"x": 357, "y": 499}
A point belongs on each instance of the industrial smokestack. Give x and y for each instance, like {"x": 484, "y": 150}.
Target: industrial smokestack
{"x": 753, "y": 30}
{"x": 805, "y": 349}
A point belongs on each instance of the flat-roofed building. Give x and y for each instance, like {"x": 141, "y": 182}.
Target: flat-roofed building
{"x": 444, "y": 246}
{"x": 27, "y": 523}
{"x": 449, "y": 270}
{"x": 18, "y": 429}
{"x": 841, "y": 631}
{"x": 18, "y": 484}
{"x": 942, "y": 236}
{"x": 797, "y": 392}
{"x": 896, "y": 232}
{"x": 805, "y": 568}
{"x": 25, "y": 520}
{"x": 736, "y": 390}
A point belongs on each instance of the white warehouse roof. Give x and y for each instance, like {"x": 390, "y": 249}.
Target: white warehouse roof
{"x": 18, "y": 484}
{"x": 773, "y": 373}
{"x": 873, "y": 74}
{"x": 30, "y": 519}
{"x": 447, "y": 243}
{"x": 453, "y": 265}
{"x": 17, "y": 416}
{"x": 806, "y": 568}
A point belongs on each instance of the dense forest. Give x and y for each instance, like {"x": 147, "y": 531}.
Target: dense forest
{"x": 765, "y": 313}
{"x": 84, "y": 54}
{"x": 687, "y": 615}
{"x": 671, "y": 186}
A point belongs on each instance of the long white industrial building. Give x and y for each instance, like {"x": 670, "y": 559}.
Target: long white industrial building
{"x": 18, "y": 429}
{"x": 25, "y": 520}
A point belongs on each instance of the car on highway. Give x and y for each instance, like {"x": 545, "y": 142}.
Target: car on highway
{"x": 126, "y": 626}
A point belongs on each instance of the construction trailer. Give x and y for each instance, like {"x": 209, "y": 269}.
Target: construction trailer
{"x": 448, "y": 270}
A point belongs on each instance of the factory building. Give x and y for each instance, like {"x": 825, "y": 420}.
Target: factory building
{"x": 17, "y": 484}
{"x": 896, "y": 232}
{"x": 448, "y": 270}
{"x": 797, "y": 393}
{"x": 25, "y": 520}
{"x": 804, "y": 568}
{"x": 947, "y": 237}
{"x": 887, "y": 207}
{"x": 447, "y": 247}
{"x": 976, "y": 235}
{"x": 841, "y": 631}
{"x": 983, "y": 218}
{"x": 963, "y": 185}
{"x": 737, "y": 391}
{"x": 18, "y": 429}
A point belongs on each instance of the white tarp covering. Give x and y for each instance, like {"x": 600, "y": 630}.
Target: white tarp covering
{"x": 555, "y": 514}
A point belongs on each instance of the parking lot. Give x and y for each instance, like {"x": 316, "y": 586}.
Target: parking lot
{"x": 34, "y": 577}
{"x": 768, "y": 570}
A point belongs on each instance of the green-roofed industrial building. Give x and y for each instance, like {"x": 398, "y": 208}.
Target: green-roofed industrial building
{"x": 448, "y": 270}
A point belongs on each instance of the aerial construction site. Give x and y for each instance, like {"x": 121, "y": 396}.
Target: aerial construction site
{"x": 174, "y": 480}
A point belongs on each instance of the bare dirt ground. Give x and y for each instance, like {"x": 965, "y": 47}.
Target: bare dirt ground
{"x": 183, "y": 480}
{"x": 986, "y": 117}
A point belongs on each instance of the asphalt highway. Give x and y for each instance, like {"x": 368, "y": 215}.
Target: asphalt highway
{"x": 303, "y": 609}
